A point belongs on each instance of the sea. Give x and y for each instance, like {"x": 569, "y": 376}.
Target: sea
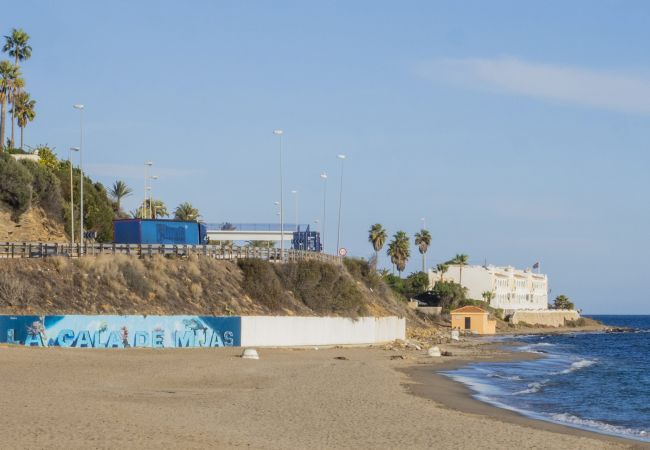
{"x": 594, "y": 381}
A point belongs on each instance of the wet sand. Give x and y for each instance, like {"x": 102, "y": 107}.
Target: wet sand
{"x": 301, "y": 398}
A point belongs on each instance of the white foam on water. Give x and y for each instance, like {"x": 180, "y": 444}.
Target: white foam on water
{"x": 602, "y": 427}
{"x": 504, "y": 377}
{"x": 577, "y": 365}
{"x": 532, "y": 387}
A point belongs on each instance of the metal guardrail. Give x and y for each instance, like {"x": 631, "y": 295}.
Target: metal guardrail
{"x": 48, "y": 249}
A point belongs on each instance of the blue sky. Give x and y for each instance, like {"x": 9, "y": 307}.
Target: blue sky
{"x": 519, "y": 131}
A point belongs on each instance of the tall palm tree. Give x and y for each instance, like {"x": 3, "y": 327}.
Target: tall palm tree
{"x": 118, "y": 191}
{"x": 460, "y": 260}
{"x": 17, "y": 46}
{"x": 185, "y": 211}
{"x": 377, "y": 237}
{"x": 24, "y": 111}
{"x": 399, "y": 251}
{"x": 423, "y": 240}
{"x": 442, "y": 268}
{"x": 9, "y": 79}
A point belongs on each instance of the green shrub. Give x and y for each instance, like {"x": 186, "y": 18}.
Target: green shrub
{"x": 46, "y": 189}
{"x": 362, "y": 270}
{"x": 15, "y": 186}
{"x": 261, "y": 283}
{"x": 134, "y": 274}
{"x": 323, "y": 287}
{"x": 581, "y": 322}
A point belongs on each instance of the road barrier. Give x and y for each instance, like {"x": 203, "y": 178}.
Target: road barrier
{"x": 226, "y": 252}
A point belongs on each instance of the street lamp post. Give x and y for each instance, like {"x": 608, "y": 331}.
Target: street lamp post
{"x": 145, "y": 208}
{"x": 72, "y": 149}
{"x": 338, "y": 235}
{"x": 279, "y": 133}
{"x": 323, "y": 177}
{"x": 294, "y": 192}
{"x": 80, "y": 107}
{"x": 152, "y": 209}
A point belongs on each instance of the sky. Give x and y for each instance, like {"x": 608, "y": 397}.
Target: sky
{"x": 517, "y": 130}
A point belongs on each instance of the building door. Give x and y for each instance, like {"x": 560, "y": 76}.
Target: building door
{"x": 468, "y": 323}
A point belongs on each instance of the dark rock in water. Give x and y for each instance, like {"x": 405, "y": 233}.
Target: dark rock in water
{"x": 343, "y": 358}
{"x": 446, "y": 353}
{"x": 619, "y": 330}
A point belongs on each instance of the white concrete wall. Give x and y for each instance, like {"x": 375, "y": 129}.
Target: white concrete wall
{"x": 287, "y": 331}
{"x": 548, "y": 317}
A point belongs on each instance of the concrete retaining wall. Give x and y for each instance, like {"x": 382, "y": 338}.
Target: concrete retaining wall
{"x": 282, "y": 331}
{"x": 552, "y": 318}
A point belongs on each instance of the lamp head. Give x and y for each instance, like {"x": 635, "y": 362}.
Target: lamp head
{"x": 340, "y": 156}
{"x": 278, "y": 132}
{"x": 78, "y": 106}
{"x": 323, "y": 175}
{"x": 74, "y": 149}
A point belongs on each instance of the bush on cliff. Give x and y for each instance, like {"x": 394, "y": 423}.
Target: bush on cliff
{"x": 15, "y": 186}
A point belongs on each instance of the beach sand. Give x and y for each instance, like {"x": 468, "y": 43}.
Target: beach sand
{"x": 300, "y": 398}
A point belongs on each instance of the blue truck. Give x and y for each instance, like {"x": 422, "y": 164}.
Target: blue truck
{"x": 159, "y": 231}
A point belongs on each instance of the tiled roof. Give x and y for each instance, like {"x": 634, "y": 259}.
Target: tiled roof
{"x": 468, "y": 309}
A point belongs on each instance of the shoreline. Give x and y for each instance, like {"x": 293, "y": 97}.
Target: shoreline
{"x": 428, "y": 382}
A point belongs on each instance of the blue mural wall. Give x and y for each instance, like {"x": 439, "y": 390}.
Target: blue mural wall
{"x": 121, "y": 331}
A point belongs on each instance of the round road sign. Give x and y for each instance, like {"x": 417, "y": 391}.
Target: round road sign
{"x": 343, "y": 251}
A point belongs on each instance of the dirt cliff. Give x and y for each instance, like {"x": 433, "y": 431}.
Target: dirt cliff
{"x": 198, "y": 285}
{"x": 34, "y": 226}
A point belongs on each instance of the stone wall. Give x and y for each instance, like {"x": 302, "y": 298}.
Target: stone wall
{"x": 552, "y": 318}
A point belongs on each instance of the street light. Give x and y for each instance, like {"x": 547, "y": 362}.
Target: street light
{"x": 72, "y": 149}
{"x": 323, "y": 177}
{"x": 152, "y": 209}
{"x": 338, "y": 235}
{"x": 279, "y": 133}
{"x": 294, "y": 192}
{"x": 147, "y": 164}
{"x": 80, "y": 108}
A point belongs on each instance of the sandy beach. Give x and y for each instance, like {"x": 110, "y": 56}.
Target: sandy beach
{"x": 300, "y": 398}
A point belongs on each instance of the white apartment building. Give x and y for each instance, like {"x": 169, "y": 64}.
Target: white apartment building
{"x": 512, "y": 289}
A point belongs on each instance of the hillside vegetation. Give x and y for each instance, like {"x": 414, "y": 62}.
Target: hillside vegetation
{"x": 126, "y": 285}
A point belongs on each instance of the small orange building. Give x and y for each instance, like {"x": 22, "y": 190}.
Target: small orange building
{"x": 473, "y": 319}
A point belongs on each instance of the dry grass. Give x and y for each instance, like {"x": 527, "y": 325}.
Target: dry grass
{"x": 123, "y": 284}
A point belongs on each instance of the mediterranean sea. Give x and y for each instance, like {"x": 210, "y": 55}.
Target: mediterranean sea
{"x": 593, "y": 381}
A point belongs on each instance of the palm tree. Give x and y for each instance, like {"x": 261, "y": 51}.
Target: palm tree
{"x": 460, "y": 260}
{"x": 423, "y": 240}
{"x": 487, "y": 296}
{"x": 185, "y": 211}
{"x": 118, "y": 191}
{"x": 377, "y": 237}
{"x": 442, "y": 268}
{"x": 24, "y": 111}
{"x": 158, "y": 209}
{"x": 9, "y": 79}
{"x": 399, "y": 251}
{"x": 17, "y": 46}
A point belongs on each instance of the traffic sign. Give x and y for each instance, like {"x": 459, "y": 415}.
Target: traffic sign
{"x": 343, "y": 251}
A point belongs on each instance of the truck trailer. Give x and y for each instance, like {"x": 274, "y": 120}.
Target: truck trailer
{"x": 159, "y": 231}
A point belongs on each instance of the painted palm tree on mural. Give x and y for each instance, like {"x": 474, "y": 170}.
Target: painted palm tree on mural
{"x": 24, "y": 112}
{"x": 17, "y": 46}
{"x": 377, "y": 237}
{"x": 423, "y": 240}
